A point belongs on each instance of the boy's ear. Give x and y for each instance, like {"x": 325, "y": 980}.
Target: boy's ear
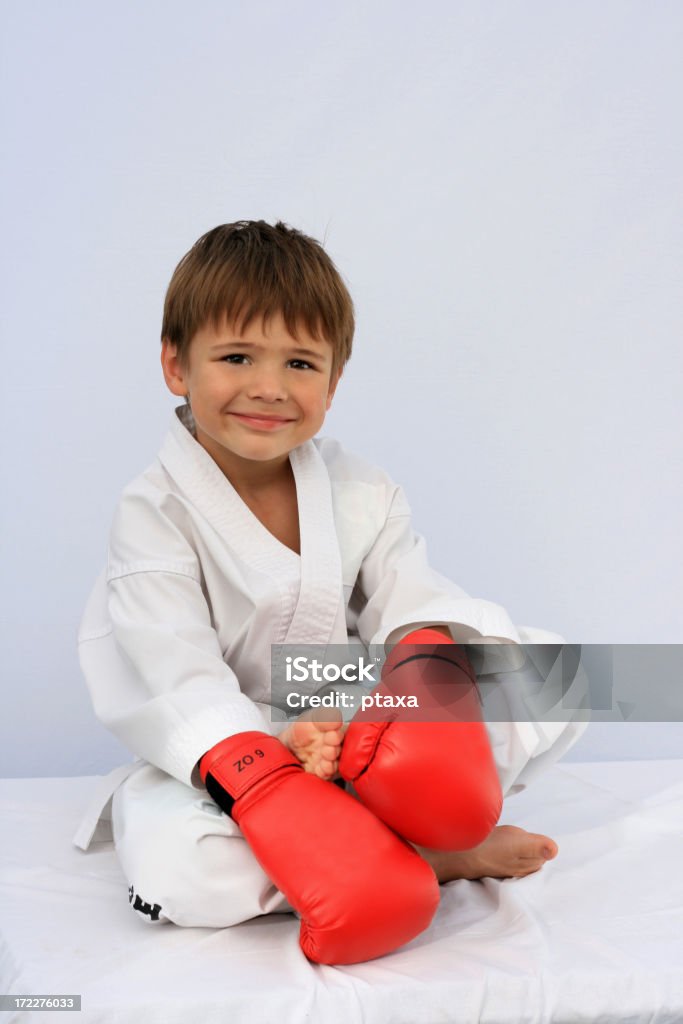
{"x": 174, "y": 372}
{"x": 331, "y": 390}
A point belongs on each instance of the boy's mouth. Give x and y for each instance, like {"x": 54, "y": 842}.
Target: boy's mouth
{"x": 259, "y": 421}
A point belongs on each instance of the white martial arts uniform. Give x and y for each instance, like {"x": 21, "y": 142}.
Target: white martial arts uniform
{"x": 175, "y": 645}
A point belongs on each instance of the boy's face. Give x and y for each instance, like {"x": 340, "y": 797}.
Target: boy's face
{"x": 256, "y": 395}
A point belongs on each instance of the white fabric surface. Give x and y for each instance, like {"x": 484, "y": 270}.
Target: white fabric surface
{"x": 596, "y": 935}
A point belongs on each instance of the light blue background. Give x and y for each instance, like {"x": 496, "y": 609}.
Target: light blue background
{"x": 499, "y": 182}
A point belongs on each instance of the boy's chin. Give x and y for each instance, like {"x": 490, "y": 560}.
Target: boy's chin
{"x": 265, "y": 450}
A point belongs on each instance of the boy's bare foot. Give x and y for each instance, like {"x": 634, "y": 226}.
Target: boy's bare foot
{"x": 508, "y": 852}
{"x": 316, "y": 739}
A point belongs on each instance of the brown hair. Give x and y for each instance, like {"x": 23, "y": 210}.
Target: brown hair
{"x": 250, "y": 269}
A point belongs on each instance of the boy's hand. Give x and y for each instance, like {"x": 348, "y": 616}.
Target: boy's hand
{"x": 316, "y": 738}
{"x": 360, "y": 890}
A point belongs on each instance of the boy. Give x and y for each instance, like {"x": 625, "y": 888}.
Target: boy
{"x": 246, "y": 533}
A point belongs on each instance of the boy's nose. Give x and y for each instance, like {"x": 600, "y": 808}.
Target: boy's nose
{"x": 268, "y": 386}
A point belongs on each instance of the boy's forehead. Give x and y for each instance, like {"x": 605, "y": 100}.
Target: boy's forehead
{"x": 261, "y": 333}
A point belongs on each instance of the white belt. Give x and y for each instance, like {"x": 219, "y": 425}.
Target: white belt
{"x": 95, "y": 825}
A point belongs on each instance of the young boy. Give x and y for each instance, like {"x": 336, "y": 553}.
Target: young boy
{"x": 245, "y": 533}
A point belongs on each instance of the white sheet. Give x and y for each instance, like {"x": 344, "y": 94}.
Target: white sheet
{"x": 596, "y": 935}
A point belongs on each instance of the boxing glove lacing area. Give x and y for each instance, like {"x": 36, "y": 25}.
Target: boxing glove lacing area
{"x": 467, "y": 668}
{"x": 430, "y": 657}
{"x": 219, "y": 795}
{"x": 222, "y": 797}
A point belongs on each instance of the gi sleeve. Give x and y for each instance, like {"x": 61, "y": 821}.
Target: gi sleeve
{"x": 397, "y": 590}
{"x": 152, "y": 660}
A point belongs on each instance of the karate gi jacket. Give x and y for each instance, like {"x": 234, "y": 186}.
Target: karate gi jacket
{"x": 175, "y": 641}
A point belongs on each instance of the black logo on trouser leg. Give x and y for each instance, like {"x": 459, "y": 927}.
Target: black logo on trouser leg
{"x": 149, "y": 910}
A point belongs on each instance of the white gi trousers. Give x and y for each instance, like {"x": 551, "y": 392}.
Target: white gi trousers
{"x": 187, "y": 862}
{"x": 184, "y": 859}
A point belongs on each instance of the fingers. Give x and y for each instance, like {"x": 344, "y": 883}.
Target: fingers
{"x": 325, "y": 718}
{"x": 326, "y": 769}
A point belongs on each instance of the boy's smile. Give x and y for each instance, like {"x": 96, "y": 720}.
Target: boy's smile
{"x": 261, "y": 422}
{"x": 255, "y": 395}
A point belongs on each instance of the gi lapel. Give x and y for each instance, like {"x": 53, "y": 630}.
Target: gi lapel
{"x": 213, "y": 495}
{"x": 319, "y": 614}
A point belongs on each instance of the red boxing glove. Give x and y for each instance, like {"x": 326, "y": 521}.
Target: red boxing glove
{"x": 428, "y": 773}
{"x": 360, "y": 890}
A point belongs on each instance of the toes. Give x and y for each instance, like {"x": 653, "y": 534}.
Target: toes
{"x": 539, "y": 847}
{"x": 523, "y": 872}
{"x": 548, "y": 848}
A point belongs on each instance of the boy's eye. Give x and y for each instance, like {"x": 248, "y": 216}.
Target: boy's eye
{"x": 236, "y": 359}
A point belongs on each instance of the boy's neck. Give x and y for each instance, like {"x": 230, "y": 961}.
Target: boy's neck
{"x": 264, "y": 480}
